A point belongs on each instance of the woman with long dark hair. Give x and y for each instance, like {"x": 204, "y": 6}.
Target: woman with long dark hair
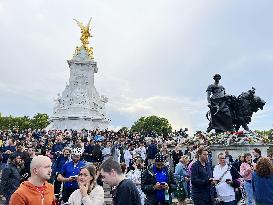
{"x": 89, "y": 192}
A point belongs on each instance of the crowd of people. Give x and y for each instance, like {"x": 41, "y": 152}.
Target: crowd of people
{"x": 72, "y": 167}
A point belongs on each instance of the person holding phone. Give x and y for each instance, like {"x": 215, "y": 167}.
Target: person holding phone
{"x": 223, "y": 181}
{"x": 201, "y": 179}
{"x": 69, "y": 173}
{"x": 157, "y": 182}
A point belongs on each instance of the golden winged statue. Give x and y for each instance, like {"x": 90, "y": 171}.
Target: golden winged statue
{"x": 85, "y": 31}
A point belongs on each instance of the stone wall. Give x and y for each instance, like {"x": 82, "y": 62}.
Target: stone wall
{"x": 236, "y": 150}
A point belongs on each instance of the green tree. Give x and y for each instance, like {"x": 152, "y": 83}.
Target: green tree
{"x": 24, "y": 122}
{"x": 152, "y": 123}
{"x": 39, "y": 121}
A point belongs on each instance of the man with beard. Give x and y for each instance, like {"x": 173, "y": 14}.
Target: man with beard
{"x": 36, "y": 190}
{"x": 201, "y": 179}
{"x": 57, "y": 168}
{"x": 69, "y": 174}
{"x": 157, "y": 182}
{"x": 11, "y": 177}
{"x": 25, "y": 172}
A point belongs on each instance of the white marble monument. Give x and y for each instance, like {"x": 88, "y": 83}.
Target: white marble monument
{"x": 80, "y": 105}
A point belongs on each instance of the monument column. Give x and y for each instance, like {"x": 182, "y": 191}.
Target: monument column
{"x": 80, "y": 105}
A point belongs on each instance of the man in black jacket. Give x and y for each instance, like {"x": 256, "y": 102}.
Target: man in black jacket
{"x": 126, "y": 192}
{"x": 157, "y": 183}
{"x": 11, "y": 177}
{"x": 257, "y": 155}
{"x": 201, "y": 179}
{"x": 151, "y": 152}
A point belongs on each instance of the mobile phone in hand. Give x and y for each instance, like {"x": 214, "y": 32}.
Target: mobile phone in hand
{"x": 76, "y": 176}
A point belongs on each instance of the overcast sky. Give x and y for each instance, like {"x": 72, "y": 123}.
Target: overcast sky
{"x": 155, "y": 57}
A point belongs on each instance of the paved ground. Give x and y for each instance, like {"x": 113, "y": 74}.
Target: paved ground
{"x": 107, "y": 198}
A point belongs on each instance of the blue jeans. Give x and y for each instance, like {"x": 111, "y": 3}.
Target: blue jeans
{"x": 249, "y": 192}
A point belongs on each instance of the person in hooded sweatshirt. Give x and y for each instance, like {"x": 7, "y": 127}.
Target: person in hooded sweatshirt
{"x": 36, "y": 190}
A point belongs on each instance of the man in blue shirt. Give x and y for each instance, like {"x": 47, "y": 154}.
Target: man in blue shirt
{"x": 69, "y": 174}
{"x": 57, "y": 168}
{"x": 157, "y": 182}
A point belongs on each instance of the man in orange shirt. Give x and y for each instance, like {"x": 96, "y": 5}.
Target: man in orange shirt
{"x": 36, "y": 190}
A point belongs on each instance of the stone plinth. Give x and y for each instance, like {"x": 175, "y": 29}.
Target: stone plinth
{"x": 236, "y": 150}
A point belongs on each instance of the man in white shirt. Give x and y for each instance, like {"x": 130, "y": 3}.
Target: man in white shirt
{"x": 142, "y": 151}
{"x": 128, "y": 155}
{"x": 223, "y": 180}
{"x": 106, "y": 152}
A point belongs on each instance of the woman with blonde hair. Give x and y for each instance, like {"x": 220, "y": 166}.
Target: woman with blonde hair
{"x": 89, "y": 192}
{"x": 262, "y": 182}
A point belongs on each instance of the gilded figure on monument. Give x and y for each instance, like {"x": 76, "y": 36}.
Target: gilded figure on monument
{"x": 85, "y": 31}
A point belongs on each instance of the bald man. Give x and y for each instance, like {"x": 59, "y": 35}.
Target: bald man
{"x": 36, "y": 190}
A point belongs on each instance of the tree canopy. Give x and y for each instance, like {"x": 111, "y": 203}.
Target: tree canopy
{"x": 152, "y": 124}
{"x": 39, "y": 121}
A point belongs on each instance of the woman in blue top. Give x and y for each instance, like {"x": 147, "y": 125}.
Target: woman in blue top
{"x": 262, "y": 182}
{"x": 182, "y": 174}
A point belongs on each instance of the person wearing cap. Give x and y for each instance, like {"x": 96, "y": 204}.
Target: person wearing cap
{"x": 157, "y": 182}
{"x": 10, "y": 179}
{"x": 69, "y": 174}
